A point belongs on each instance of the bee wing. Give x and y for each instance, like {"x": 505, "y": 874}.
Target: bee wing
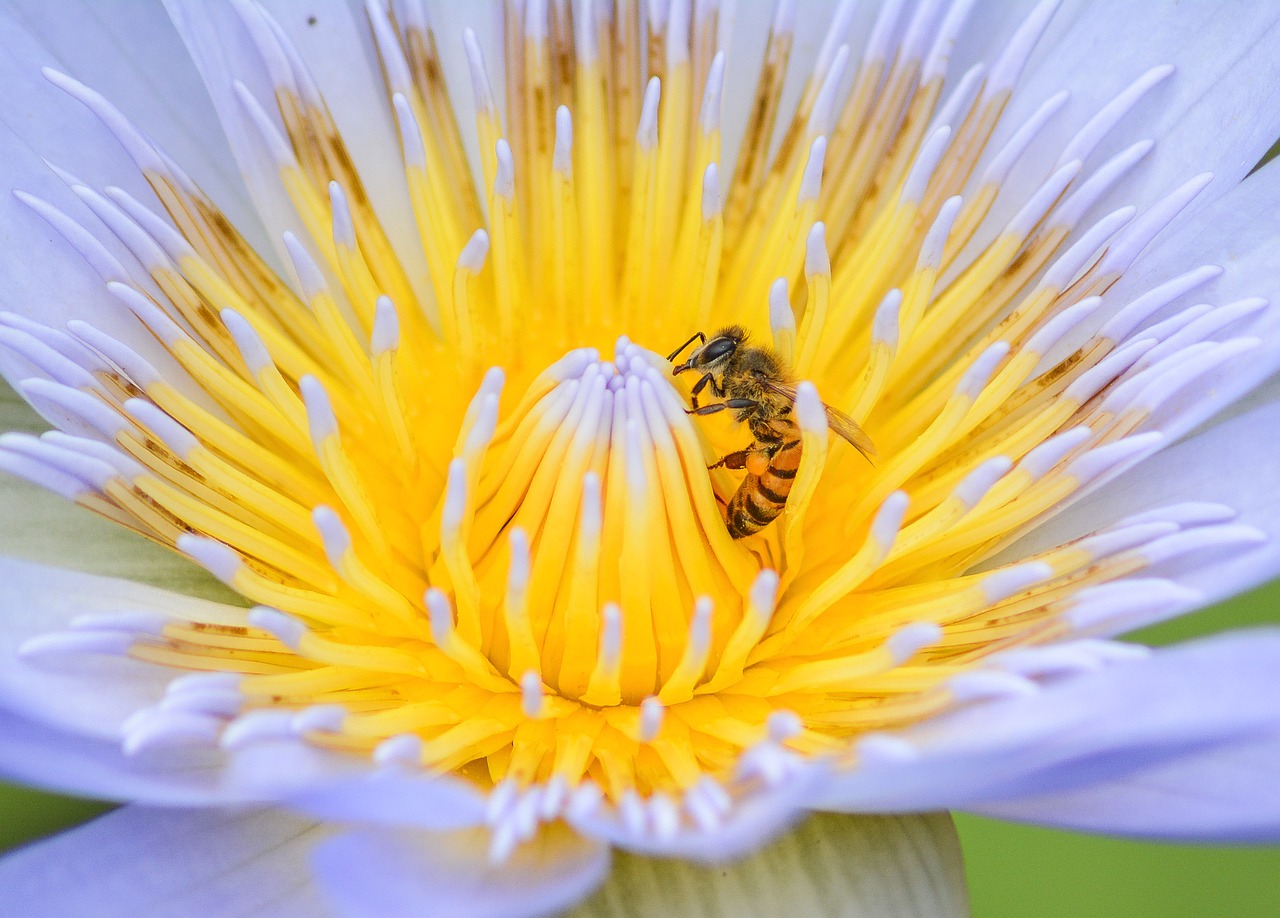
{"x": 837, "y": 420}
{"x": 779, "y": 388}
{"x": 848, "y": 428}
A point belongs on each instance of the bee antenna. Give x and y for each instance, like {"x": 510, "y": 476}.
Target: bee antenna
{"x": 696, "y": 336}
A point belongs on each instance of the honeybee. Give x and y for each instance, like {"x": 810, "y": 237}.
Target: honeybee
{"x": 754, "y": 382}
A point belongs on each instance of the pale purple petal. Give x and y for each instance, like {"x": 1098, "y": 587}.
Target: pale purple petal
{"x": 1226, "y": 63}
{"x": 176, "y": 863}
{"x": 1234, "y": 464}
{"x": 396, "y": 798}
{"x": 44, "y": 526}
{"x": 159, "y": 90}
{"x": 1235, "y": 234}
{"x": 65, "y": 712}
{"x": 1077, "y": 731}
{"x": 1227, "y": 794}
{"x": 389, "y": 874}
{"x": 334, "y": 46}
{"x": 54, "y": 759}
{"x": 187, "y": 775}
{"x": 45, "y": 278}
{"x": 89, "y": 693}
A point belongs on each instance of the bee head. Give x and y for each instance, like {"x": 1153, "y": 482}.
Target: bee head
{"x": 712, "y": 356}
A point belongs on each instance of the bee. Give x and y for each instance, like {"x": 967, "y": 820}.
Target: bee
{"x": 757, "y": 384}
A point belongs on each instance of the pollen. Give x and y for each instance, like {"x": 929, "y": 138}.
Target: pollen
{"x": 481, "y": 533}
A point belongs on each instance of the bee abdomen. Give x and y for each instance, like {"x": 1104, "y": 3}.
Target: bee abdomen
{"x": 760, "y": 498}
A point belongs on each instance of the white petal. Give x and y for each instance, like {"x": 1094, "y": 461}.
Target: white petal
{"x": 31, "y": 753}
{"x": 131, "y": 54}
{"x": 1222, "y": 795}
{"x": 1227, "y": 65}
{"x": 64, "y": 714}
{"x": 395, "y": 798}
{"x": 1236, "y": 233}
{"x": 145, "y": 861}
{"x": 337, "y": 49}
{"x": 45, "y": 278}
{"x": 1078, "y": 731}
{"x": 58, "y": 760}
{"x": 1233, "y": 463}
{"x": 87, "y": 693}
{"x": 400, "y": 873}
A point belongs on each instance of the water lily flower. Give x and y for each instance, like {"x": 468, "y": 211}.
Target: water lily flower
{"x": 366, "y": 312}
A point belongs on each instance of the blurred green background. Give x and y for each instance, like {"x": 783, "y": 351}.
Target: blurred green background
{"x": 1013, "y": 870}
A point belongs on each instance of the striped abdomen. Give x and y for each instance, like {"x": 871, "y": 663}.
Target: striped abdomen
{"x": 760, "y": 498}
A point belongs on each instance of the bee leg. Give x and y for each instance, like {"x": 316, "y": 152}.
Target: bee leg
{"x": 699, "y": 386}
{"x": 736, "y": 403}
{"x": 733, "y": 461}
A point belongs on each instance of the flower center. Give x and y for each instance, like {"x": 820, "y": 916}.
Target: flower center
{"x": 546, "y": 593}
{"x": 581, "y": 541}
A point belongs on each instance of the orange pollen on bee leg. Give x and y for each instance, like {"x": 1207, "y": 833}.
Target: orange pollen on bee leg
{"x": 757, "y": 463}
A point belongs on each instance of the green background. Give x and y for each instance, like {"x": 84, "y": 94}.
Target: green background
{"x": 1013, "y": 870}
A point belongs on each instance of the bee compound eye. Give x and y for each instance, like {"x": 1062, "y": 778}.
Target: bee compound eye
{"x": 717, "y": 348}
